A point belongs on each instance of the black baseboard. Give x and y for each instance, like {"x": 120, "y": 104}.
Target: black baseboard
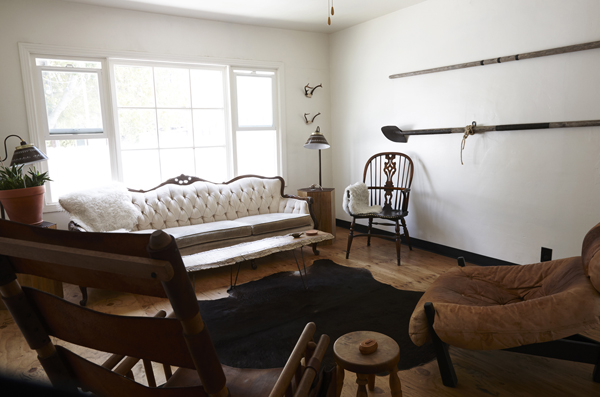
{"x": 440, "y": 249}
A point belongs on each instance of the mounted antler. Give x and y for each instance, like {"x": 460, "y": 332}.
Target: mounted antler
{"x": 312, "y": 89}
{"x": 310, "y": 121}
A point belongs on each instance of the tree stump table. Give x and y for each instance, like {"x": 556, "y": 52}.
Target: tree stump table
{"x": 385, "y": 358}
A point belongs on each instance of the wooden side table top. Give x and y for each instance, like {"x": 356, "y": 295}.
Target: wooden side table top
{"x": 350, "y": 358}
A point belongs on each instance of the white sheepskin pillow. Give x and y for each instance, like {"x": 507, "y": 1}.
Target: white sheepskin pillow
{"x": 356, "y": 200}
{"x": 101, "y": 209}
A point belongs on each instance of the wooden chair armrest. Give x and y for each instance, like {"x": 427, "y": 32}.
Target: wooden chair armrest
{"x": 288, "y": 372}
{"x": 312, "y": 367}
{"x": 293, "y": 196}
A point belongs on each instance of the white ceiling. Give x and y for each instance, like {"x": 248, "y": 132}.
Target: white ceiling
{"x": 308, "y": 15}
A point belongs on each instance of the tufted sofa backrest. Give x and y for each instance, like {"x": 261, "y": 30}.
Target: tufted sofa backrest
{"x": 590, "y": 253}
{"x": 174, "y": 205}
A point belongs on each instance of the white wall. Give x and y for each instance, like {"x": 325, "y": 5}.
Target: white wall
{"x": 517, "y": 190}
{"x": 305, "y": 57}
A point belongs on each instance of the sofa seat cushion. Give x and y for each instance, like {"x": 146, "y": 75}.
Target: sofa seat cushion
{"x": 187, "y": 236}
{"x": 267, "y": 223}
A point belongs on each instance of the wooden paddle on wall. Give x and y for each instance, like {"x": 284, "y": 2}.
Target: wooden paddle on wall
{"x": 529, "y": 55}
{"x": 395, "y": 134}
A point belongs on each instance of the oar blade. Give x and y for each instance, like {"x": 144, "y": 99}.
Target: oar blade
{"x": 394, "y": 134}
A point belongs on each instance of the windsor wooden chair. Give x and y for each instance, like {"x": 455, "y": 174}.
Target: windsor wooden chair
{"x": 388, "y": 177}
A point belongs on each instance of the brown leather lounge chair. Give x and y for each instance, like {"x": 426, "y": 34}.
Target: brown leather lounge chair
{"x": 147, "y": 265}
{"x": 535, "y": 309}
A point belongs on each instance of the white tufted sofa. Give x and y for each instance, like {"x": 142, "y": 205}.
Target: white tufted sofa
{"x": 202, "y": 215}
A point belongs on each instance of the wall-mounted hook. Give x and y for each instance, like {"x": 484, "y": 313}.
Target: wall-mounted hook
{"x": 307, "y": 121}
{"x": 312, "y": 89}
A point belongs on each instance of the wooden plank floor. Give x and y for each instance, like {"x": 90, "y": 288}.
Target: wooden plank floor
{"x": 480, "y": 373}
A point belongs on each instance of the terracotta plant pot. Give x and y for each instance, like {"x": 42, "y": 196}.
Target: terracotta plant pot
{"x": 24, "y": 205}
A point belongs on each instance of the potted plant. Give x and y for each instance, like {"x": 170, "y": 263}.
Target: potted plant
{"x": 23, "y": 196}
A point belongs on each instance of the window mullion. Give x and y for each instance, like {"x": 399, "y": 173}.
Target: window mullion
{"x": 108, "y": 117}
{"x": 234, "y": 121}
{"x": 157, "y": 125}
{"x": 116, "y": 132}
{"x": 193, "y": 122}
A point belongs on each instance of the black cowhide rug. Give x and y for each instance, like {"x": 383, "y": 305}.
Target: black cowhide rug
{"x": 258, "y": 325}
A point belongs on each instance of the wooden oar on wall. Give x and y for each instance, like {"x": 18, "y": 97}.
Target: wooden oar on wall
{"x": 395, "y": 134}
{"x": 528, "y": 55}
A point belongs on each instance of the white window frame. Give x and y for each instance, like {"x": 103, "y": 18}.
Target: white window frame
{"x": 234, "y": 117}
{"x": 36, "y": 112}
{"x": 226, "y": 103}
{"x": 41, "y": 119}
{"x": 102, "y": 92}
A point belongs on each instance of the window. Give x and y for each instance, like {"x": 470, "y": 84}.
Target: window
{"x": 71, "y": 95}
{"x": 73, "y": 133}
{"x": 171, "y": 120}
{"x": 255, "y": 122}
{"x": 110, "y": 117}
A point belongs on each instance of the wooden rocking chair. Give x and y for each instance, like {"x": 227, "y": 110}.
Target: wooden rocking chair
{"x": 388, "y": 177}
{"x": 139, "y": 264}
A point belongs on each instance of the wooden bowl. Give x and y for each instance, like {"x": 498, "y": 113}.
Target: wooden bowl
{"x": 368, "y": 346}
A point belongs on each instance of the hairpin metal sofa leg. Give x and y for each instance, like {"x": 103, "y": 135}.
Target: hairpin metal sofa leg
{"x": 441, "y": 350}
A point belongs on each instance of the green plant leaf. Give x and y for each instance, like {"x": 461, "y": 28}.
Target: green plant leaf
{"x": 12, "y": 178}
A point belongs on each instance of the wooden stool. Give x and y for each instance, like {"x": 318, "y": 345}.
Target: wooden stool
{"x": 385, "y": 358}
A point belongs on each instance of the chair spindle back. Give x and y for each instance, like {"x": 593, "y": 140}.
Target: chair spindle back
{"x": 387, "y": 175}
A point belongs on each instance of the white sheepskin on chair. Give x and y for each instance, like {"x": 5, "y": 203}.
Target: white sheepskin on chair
{"x": 101, "y": 209}
{"x": 356, "y": 200}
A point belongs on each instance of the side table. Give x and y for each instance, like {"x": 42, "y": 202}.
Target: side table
{"x": 385, "y": 358}
{"x": 323, "y": 207}
{"x": 41, "y": 283}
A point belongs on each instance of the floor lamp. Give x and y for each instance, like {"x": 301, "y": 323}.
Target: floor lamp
{"x": 316, "y": 140}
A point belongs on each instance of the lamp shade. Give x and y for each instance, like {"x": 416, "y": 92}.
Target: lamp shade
{"x": 27, "y": 154}
{"x": 316, "y": 140}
